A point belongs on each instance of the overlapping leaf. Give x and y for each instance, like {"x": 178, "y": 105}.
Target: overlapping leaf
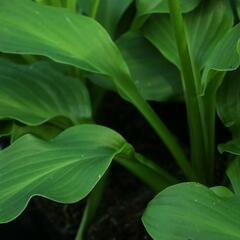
{"x": 109, "y": 12}
{"x": 190, "y": 211}
{"x": 145, "y": 8}
{"x": 161, "y": 6}
{"x": 33, "y": 94}
{"x": 155, "y": 77}
{"x": 205, "y": 27}
{"x": 64, "y": 169}
{"x": 30, "y": 28}
{"x": 228, "y": 102}
{"x": 233, "y": 173}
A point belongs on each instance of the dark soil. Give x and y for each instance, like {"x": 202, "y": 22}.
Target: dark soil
{"x": 125, "y": 198}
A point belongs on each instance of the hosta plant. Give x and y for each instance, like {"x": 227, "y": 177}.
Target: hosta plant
{"x": 59, "y": 57}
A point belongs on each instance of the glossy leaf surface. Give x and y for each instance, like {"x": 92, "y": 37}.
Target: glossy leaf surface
{"x": 30, "y": 28}
{"x": 64, "y": 169}
{"x": 35, "y": 29}
{"x": 34, "y": 94}
{"x": 190, "y": 211}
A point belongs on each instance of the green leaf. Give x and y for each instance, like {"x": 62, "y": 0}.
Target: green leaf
{"x": 233, "y": 173}
{"x": 109, "y": 12}
{"x": 45, "y": 131}
{"x": 228, "y": 102}
{"x": 64, "y": 169}
{"x": 161, "y": 6}
{"x": 232, "y": 146}
{"x": 205, "y": 27}
{"x": 83, "y": 43}
{"x": 225, "y": 56}
{"x": 191, "y": 211}
{"x": 34, "y": 94}
{"x": 222, "y": 191}
{"x": 155, "y": 77}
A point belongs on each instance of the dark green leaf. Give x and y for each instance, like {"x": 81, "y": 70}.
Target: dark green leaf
{"x": 228, "y": 102}
{"x": 64, "y": 169}
{"x": 232, "y": 146}
{"x": 191, "y": 211}
{"x": 155, "y": 77}
{"x": 34, "y": 94}
{"x": 233, "y": 173}
{"x": 109, "y": 12}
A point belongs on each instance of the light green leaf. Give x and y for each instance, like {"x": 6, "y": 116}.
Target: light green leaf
{"x": 64, "y": 169}
{"x": 34, "y": 94}
{"x": 233, "y": 173}
{"x": 205, "y": 27}
{"x": 109, "y": 12}
{"x": 190, "y": 211}
{"x": 228, "y": 102}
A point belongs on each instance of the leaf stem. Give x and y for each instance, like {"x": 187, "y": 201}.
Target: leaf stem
{"x": 72, "y": 5}
{"x": 94, "y": 8}
{"x": 92, "y": 205}
{"x": 191, "y": 87}
{"x": 56, "y": 3}
{"x": 168, "y": 139}
{"x": 147, "y": 171}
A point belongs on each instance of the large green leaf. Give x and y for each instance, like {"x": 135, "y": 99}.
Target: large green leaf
{"x": 228, "y": 102}
{"x": 190, "y": 211}
{"x": 205, "y": 27}
{"x": 155, "y": 77}
{"x": 83, "y": 43}
{"x": 109, "y": 12}
{"x": 33, "y": 94}
{"x": 64, "y": 169}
